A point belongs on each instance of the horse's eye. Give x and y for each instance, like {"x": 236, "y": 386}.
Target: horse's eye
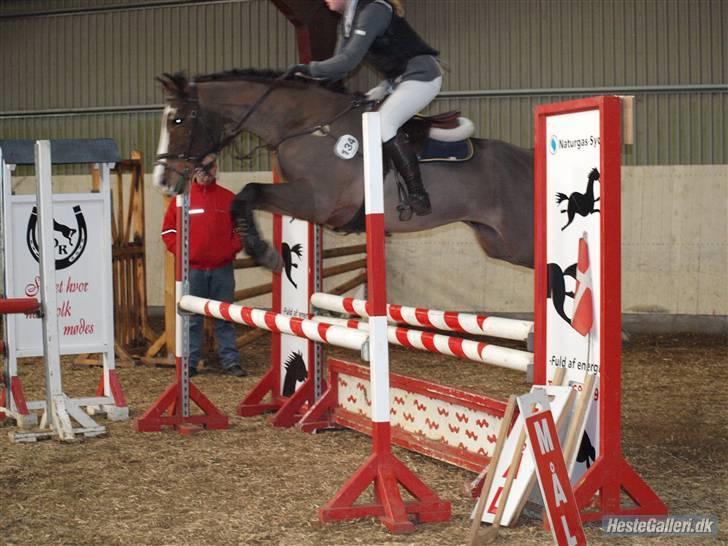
{"x": 178, "y": 120}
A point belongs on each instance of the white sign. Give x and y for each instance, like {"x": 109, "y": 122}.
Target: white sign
{"x": 82, "y": 287}
{"x": 296, "y": 249}
{"x": 526, "y": 473}
{"x": 573, "y": 209}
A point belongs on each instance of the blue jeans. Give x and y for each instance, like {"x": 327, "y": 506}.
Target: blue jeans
{"x": 217, "y": 284}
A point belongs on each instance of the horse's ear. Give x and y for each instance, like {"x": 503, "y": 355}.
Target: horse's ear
{"x": 174, "y": 85}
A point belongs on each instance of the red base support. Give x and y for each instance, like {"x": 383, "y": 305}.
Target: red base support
{"x": 386, "y": 474}
{"x": 288, "y": 410}
{"x": 117, "y": 392}
{"x": 253, "y": 404}
{"x": 609, "y": 477}
{"x": 321, "y": 414}
{"x": 154, "y": 419}
{"x": 16, "y": 394}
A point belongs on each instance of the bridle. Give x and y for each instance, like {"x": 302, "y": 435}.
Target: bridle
{"x": 216, "y": 145}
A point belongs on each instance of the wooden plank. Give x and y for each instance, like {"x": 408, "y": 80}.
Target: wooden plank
{"x": 344, "y": 268}
{"x": 345, "y": 251}
{"x": 249, "y": 337}
{"x": 251, "y": 292}
{"x": 343, "y": 288}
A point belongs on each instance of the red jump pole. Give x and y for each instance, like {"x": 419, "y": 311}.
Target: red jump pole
{"x": 18, "y": 305}
{"x": 382, "y": 469}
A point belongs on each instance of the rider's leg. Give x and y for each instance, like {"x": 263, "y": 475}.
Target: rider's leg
{"x": 408, "y": 98}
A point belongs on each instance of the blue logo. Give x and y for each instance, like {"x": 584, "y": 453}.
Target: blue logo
{"x": 553, "y": 144}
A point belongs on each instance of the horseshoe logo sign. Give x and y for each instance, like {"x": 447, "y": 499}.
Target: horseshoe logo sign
{"x": 69, "y": 242}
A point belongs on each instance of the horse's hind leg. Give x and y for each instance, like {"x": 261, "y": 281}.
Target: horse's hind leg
{"x": 242, "y": 208}
{"x": 517, "y": 250}
{"x": 571, "y": 213}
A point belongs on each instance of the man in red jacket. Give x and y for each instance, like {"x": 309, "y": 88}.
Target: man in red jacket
{"x": 213, "y": 246}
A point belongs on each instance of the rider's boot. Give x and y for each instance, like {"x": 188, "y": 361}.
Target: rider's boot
{"x": 405, "y": 159}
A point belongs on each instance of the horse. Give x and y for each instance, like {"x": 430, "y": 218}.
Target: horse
{"x": 302, "y": 122}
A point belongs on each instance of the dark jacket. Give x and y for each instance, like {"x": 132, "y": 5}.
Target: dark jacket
{"x": 385, "y": 41}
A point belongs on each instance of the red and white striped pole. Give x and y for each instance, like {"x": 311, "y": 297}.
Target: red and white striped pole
{"x": 476, "y": 351}
{"x": 382, "y": 469}
{"x": 279, "y": 323}
{"x": 377, "y": 281}
{"x": 449, "y": 321}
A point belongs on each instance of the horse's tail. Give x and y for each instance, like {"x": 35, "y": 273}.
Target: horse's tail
{"x": 561, "y": 197}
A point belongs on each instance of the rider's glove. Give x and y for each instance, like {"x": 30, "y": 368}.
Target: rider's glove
{"x": 302, "y": 69}
{"x": 379, "y": 92}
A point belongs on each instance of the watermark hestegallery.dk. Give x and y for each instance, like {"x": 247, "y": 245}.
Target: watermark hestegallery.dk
{"x": 660, "y": 525}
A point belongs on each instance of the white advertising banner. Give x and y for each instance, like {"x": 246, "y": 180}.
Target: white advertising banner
{"x": 573, "y": 212}
{"x": 82, "y": 284}
{"x": 295, "y": 294}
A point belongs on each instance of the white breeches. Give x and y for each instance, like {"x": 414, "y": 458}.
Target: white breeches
{"x": 407, "y": 99}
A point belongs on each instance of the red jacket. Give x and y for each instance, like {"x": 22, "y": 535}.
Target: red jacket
{"x": 213, "y": 243}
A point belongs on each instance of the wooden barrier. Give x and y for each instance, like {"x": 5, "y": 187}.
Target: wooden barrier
{"x": 452, "y": 425}
{"x": 132, "y": 333}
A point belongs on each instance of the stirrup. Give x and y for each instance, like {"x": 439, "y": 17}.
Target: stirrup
{"x": 406, "y": 210}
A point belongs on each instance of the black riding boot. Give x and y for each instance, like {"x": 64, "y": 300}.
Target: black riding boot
{"x": 405, "y": 159}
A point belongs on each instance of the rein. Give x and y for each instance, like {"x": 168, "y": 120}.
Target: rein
{"x": 217, "y": 146}
{"x": 323, "y": 128}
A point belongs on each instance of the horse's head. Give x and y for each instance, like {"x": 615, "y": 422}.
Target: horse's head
{"x": 187, "y": 140}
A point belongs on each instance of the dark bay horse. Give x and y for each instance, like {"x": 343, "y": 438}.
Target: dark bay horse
{"x": 301, "y": 122}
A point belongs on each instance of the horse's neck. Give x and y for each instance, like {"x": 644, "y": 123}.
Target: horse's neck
{"x": 285, "y": 111}
{"x": 590, "y": 187}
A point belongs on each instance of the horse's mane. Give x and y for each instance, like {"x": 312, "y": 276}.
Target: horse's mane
{"x": 267, "y": 76}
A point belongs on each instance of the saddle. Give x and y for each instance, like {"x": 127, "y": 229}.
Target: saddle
{"x": 441, "y": 138}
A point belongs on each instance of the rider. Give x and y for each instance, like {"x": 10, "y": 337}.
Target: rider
{"x": 376, "y": 32}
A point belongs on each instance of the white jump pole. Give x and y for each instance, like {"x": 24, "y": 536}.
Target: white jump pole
{"x": 449, "y": 321}
{"x": 477, "y": 351}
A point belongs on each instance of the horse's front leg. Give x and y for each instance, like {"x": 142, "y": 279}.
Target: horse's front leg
{"x": 242, "y": 207}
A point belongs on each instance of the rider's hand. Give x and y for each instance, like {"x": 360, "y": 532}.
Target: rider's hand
{"x": 379, "y": 92}
{"x": 302, "y": 69}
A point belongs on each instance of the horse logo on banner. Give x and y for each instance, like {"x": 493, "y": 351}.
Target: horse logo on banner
{"x": 69, "y": 242}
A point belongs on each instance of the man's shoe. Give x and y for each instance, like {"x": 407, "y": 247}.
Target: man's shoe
{"x": 193, "y": 372}
{"x": 235, "y": 371}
